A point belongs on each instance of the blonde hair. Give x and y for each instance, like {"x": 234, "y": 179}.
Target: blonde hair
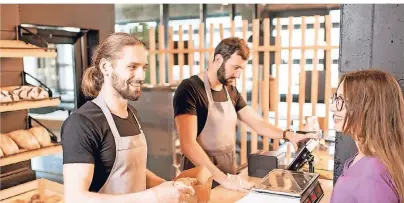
{"x": 108, "y": 49}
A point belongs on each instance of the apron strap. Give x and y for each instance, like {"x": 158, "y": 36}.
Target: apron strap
{"x": 209, "y": 91}
{"x": 207, "y": 88}
{"x": 99, "y": 101}
{"x": 134, "y": 115}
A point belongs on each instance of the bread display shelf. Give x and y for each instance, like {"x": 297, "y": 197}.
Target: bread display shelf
{"x": 19, "y": 49}
{"x": 24, "y": 154}
{"x": 29, "y": 104}
{"x": 45, "y": 188}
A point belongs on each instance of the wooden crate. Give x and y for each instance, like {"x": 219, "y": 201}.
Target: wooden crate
{"x": 45, "y": 188}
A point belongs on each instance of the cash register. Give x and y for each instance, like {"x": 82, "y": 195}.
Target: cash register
{"x": 289, "y": 185}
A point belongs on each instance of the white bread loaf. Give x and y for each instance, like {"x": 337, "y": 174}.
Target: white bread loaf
{"x": 24, "y": 139}
{"x": 7, "y": 145}
{"x": 30, "y": 92}
{"x": 41, "y": 135}
{"x": 22, "y": 92}
{"x": 5, "y": 96}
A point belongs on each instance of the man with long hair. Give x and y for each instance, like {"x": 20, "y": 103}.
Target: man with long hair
{"x": 104, "y": 147}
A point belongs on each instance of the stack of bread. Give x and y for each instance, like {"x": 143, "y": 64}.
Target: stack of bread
{"x": 24, "y": 93}
{"x": 33, "y": 138}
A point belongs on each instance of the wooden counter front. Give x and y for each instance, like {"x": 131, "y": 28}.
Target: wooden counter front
{"x": 222, "y": 195}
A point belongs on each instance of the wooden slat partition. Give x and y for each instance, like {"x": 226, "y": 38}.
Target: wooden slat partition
{"x": 211, "y": 30}
{"x": 221, "y": 30}
{"x": 152, "y": 48}
{"x": 302, "y": 80}
{"x": 266, "y": 79}
{"x": 170, "y": 55}
{"x": 201, "y": 46}
{"x": 314, "y": 74}
{"x": 277, "y": 67}
{"x": 290, "y": 62}
{"x": 190, "y": 54}
{"x": 181, "y": 54}
{"x": 233, "y": 28}
{"x": 289, "y": 95}
{"x": 162, "y": 57}
{"x": 256, "y": 79}
{"x": 243, "y": 128}
{"x": 327, "y": 94}
{"x": 265, "y": 96}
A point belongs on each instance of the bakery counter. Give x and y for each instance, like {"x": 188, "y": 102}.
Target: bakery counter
{"x": 222, "y": 195}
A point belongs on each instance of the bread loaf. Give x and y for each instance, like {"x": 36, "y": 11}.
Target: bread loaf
{"x": 24, "y": 139}
{"x": 43, "y": 94}
{"x": 6, "y": 96}
{"x": 7, "y": 145}
{"x": 41, "y": 135}
{"x": 22, "y": 92}
{"x": 30, "y": 93}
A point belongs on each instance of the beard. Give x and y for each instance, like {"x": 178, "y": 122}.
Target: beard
{"x": 127, "y": 89}
{"x": 221, "y": 76}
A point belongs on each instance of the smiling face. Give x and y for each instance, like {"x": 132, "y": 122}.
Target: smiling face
{"x": 128, "y": 73}
{"x": 338, "y": 108}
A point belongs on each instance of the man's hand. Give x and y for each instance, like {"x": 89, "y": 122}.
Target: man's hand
{"x": 174, "y": 192}
{"x": 236, "y": 182}
{"x": 294, "y": 138}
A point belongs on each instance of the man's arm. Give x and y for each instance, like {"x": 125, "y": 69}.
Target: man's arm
{"x": 152, "y": 180}
{"x": 262, "y": 127}
{"x": 187, "y": 130}
{"x": 77, "y": 179}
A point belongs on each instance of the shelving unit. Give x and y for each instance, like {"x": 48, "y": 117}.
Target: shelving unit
{"x": 15, "y": 50}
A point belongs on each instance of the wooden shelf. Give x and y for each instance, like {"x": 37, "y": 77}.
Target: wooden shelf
{"x": 19, "y": 49}
{"x": 24, "y": 155}
{"x": 30, "y": 104}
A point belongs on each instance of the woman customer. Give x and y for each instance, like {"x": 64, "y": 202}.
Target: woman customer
{"x": 369, "y": 107}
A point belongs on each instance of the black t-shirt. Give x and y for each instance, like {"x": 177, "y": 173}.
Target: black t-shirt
{"x": 87, "y": 138}
{"x": 191, "y": 98}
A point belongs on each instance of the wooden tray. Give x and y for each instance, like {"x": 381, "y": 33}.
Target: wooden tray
{"x": 24, "y": 154}
{"x": 45, "y": 188}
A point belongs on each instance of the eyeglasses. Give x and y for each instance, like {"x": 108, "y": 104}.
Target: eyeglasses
{"x": 339, "y": 101}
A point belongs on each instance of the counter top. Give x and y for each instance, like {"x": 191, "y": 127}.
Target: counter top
{"x": 222, "y": 195}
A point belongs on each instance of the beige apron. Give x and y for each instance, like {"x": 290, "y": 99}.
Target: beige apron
{"x": 219, "y": 133}
{"x": 128, "y": 175}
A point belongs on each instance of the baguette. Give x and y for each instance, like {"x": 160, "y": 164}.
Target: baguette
{"x": 22, "y": 92}
{"x": 24, "y": 139}
{"x": 7, "y": 145}
{"x": 6, "y": 96}
{"x": 30, "y": 92}
{"x": 41, "y": 135}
